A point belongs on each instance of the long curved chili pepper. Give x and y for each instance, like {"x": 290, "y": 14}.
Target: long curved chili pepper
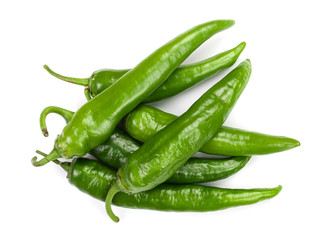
{"x": 94, "y": 179}
{"x": 93, "y": 123}
{"x": 182, "y": 78}
{"x": 118, "y": 147}
{"x": 144, "y": 121}
{"x": 162, "y": 155}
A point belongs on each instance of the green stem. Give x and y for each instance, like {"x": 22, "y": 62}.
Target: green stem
{"x": 79, "y": 81}
{"x": 115, "y": 188}
{"x": 41, "y": 153}
{"x": 66, "y": 114}
{"x": 57, "y": 162}
{"x": 48, "y": 158}
{"x": 87, "y": 93}
{"x": 65, "y": 165}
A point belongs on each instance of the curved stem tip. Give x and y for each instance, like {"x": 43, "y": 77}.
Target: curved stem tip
{"x": 115, "y": 188}
{"x": 66, "y": 114}
{"x": 48, "y": 158}
{"x": 78, "y": 81}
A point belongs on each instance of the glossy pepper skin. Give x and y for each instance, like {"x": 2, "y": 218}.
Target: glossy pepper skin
{"x": 200, "y": 170}
{"x": 94, "y": 122}
{"x": 163, "y": 154}
{"x": 119, "y": 146}
{"x": 95, "y": 179}
{"x": 116, "y": 150}
{"x": 182, "y": 78}
{"x": 144, "y": 121}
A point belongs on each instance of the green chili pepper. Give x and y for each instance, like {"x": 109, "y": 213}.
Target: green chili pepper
{"x": 182, "y": 78}
{"x": 144, "y": 121}
{"x": 95, "y": 179}
{"x": 94, "y": 122}
{"x": 162, "y": 155}
{"x": 118, "y": 147}
{"x": 200, "y": 170}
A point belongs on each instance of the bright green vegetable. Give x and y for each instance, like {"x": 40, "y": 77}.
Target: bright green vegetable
{"x": 119, "y": 146}
{"x": 95, "y": 121}
{"x": 182, "y": 78}
{"x": 95, "y": 179}
{"x": 145, "y": 121}
{"x": 163, "y": 154}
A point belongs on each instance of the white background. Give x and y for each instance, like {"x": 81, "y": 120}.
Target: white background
{"x": 286, "y": 95}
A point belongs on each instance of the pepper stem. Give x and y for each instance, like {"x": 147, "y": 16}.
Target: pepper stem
{"x": 66, "y": 114}
{"x": 48, "y": 158}
{"x": 65, "y": 165}
{"x": 78, "y": 81}
{"x": 87, "y": 93}
{"x": 41, "y": 153}
{"x": 115, "y": 188}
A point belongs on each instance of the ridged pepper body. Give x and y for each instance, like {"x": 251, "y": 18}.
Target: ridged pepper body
{"x": 145, "y": 121}
{"x": 164, "y": 153}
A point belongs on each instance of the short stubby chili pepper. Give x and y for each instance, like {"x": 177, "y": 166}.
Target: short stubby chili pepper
{"x": 144, "y": 121}
{"x": 94, "y": 122}
{"x": 182, "y": 78}
{"x": 119, "y": 146}
{"x": 94, "y": 179}
{"x": 164, "y": 153}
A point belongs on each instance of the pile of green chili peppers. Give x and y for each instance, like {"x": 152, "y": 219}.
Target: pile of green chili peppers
{"x": 144, "y": 155}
